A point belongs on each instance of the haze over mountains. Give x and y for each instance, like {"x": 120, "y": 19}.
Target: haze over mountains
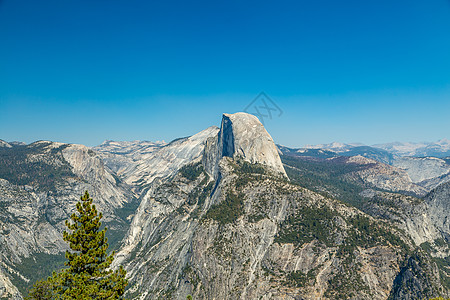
{"x": 227, "y": 214}
{"x": 440, "y": 148}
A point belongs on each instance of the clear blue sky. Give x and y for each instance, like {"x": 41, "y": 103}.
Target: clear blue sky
{"x": 350, "y": 71}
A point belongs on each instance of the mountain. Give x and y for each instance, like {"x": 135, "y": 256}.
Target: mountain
{"x": 389, "y": 151}
{"x": 314, "y": 153}
{"x": 140, "y": 164}
{"x": 129, "y": 148}
{"x": 40, "y": 184}
{"x": 227, "y": 226}
{"x": 440, "y": 148}
{"x": 428, "y": 172}
{"x": 345, "y": 178}
{"x": 4, "y": 144}
{"x": 242, "y": 136}
{"x": 226, "y": 214}
{"x": 422, "y": 216}
{"x": 337, "y": 149}
{"x": 334, "y": 146}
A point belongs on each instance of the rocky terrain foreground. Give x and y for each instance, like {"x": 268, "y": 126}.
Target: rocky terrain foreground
{"x": 226, "y": 214}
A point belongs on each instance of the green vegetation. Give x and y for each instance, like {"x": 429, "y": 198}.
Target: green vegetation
{"x": 242, "y": 180}
{"x": 366, "y": 233}
{"x": 249, "y": 168}
{"x": 199, "y": 194}
{"x": 363, "y": 233}
{"x": 444, "y": 270}
{"x": 427, "y": 247}
{"x": 120, "y": 229}
{"x": 191, "y": 171}
{"x": 88, "y": 275}
{"x": 416, "y": 268}
{"x": 247, "y": 172}
{"x": 299, "y": 279}
{"x": 27, "y": 165}
{"x": 190, "y": 275}
{"x": 227, "y": 211}
{"x": 440, "y": 242}
{"x": 308, "y": 224}
{"x": 320, "y": 224}
{"x": 326, "y": 177}
{"x": 346, "y": 283}
{"x": 443, "y": 264}
{"x": 256, "y": 217}
{"x": 222, "y": 244}
{"x": 27, "y": 268}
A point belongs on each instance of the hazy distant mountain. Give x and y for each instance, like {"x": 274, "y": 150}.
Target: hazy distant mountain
{"x": 317, "y": 153}
{"x": 337, "y": 149}
{"x": 440, "y": 148}
{"x": 335, "y": 146}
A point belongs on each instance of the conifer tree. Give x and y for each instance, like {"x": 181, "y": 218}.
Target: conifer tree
{"x": 88, "y": 275}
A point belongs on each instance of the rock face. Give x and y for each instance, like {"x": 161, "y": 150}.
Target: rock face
{"x": 385, "y": 177}
{"x": 428, "y": 172}
{"x": 423, "y": 168}
{"x": 7, "y": 289}
{"x": 139, "y": 164}
{"x": 4, "y": 144}
{"x": 439, "y": 208}
{"x": 417, "y": 275}
{"x": 121, "y": 156}
{"x": 243, "y": 136}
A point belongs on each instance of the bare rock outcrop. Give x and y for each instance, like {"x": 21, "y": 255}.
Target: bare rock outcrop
{"x": 243, "y": 136}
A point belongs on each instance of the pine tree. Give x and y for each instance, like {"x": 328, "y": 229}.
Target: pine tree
{"x": 88, "y": 275}
{"x": 42, "y": 290}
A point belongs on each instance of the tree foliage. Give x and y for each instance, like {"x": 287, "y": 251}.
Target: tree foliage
{"x": 88, "y": 274}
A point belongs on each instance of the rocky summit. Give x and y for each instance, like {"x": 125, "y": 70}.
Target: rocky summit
{"x": 226, "y": 214}
{"x": 242, "y": 136}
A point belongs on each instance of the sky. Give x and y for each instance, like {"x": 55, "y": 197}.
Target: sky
{"x": 348, "y": 71}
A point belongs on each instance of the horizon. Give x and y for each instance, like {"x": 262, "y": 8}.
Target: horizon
{"x": 304, "y": 146}
{"x": 84, "y": 72}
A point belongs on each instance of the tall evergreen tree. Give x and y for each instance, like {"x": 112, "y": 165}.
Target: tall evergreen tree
{"x": 88, "y": 275}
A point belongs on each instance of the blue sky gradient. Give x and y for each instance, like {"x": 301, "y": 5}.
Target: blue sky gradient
{"x": 349, "y": 71}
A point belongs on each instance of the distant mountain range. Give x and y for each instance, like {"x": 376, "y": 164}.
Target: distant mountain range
{"x": 427, "y": 164}
{"x": 440, "y": 148}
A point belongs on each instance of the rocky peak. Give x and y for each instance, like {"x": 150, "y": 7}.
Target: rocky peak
{"x": 4, "y": 144}
{"x": 243, "y": 136}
